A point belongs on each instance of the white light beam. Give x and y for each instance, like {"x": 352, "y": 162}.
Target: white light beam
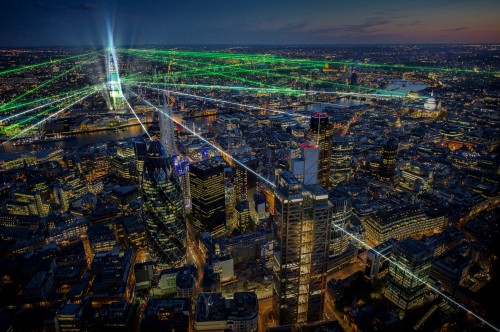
{"x": 47, "y": 118}
{"x": 206, "y": 141}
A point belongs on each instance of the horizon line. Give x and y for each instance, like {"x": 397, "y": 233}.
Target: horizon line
{"x": 252, "y": 45}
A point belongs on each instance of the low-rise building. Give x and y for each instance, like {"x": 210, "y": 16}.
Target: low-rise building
{"x": 216, "y": 313}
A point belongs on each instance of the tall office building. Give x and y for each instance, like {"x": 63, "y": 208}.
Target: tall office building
{"x": 408, "y": 272}
{"x": 321, "y": 135}
{"x": 305, "y": 168}
{"x": 354, "y": 79}
{"x": 167, "y": 133}
{"x": 303, "y": 217}
{"x": 163, "y": 209}
{"x": 341, "y": 217}
{"x": 340, "y": 167}
{"x": 240, "y": 183}
{"x": 388, "y": 159}
{"x": 208, "y": 197}
{"x": 182, "y": 169}
{"x": 141, "y": 153}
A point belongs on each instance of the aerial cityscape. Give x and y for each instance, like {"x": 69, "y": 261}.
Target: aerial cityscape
{"x": 243, "y": 167}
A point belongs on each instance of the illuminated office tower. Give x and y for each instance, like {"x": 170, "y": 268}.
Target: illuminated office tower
{"x": 245, "y": 181}
{"x": 141, "y": 153}
{"x": 388, "y": 159}
{"x": 208, "y": 197}
{"x": 303, "y": 217}
{"x": 321, "y": 135}
{"x": 167, "y": 134}
{"x": 305, "y": 168}
{"x": 341, "y": 217}
{"x": 340, "y": 167}
{"x": 241, "y": 184}
{"x": 409, "y": 270}
{"x": 163, "y": 209}
{"x": 182, "y": 170}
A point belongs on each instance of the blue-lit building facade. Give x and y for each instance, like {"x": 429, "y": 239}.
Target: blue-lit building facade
{"x": 163, "y": 209}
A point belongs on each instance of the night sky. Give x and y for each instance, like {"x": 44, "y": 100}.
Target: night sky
{"x": 277, "y": 22}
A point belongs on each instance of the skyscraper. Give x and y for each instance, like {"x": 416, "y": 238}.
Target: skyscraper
{"x": 303, "y": 218}
{"x": 388, "y": 159}
{"x": 207, "y": 195}
{"x": 341, "y": 217}
{"x": 182, "y": 170}
{"x": 115, "y": 94}
{"x": 167, "y": 134}
{"x": 354, "y": 79}
{"x": 305, "y": 168}
{"x": 408, "y": 272}
{"x": 341, "y": 160}
{"x": 240, "y": 184}
{"x": 141, "y": 153}
{"x": 163, "y": 209}
{"x": 320, "y": 134}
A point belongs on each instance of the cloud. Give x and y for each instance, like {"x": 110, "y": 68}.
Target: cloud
{"x": 369, "y": 26}
{"x": 409, "y": 24}
{"x": 453, "y": 29}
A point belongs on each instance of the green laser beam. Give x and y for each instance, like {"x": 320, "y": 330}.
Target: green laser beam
{"x": 33, "y": 117}
{"x": 301, "y": 78}
{"x": 241, "y": 79}
{"x": 31, "y": 102}
{"x": 222, "y": 55}
{"x": 44, "y": 105}
{"x": 45, "y": 83}
{"x": 48, "y": 117}
{"x": 14, "y": 70}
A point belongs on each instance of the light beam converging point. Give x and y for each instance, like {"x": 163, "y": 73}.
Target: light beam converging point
{"x": 208, "y": 142}
{"x": 114, "y": 83}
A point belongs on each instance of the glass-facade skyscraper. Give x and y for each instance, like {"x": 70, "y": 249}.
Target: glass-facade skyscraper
{"x": 388, "y": 159}
{"x": 341, "y": 217}
{"x": 163, "y": 209}
{"x": 408, "y": 272}
{"x": 321, "y": 135}
{"x": 208, "y": 197}
{"x": 341, "y": 160}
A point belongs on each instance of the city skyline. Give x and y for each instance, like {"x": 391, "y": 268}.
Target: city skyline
{"x": 30, "y": 23}
{"x": 267, "y": 188}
